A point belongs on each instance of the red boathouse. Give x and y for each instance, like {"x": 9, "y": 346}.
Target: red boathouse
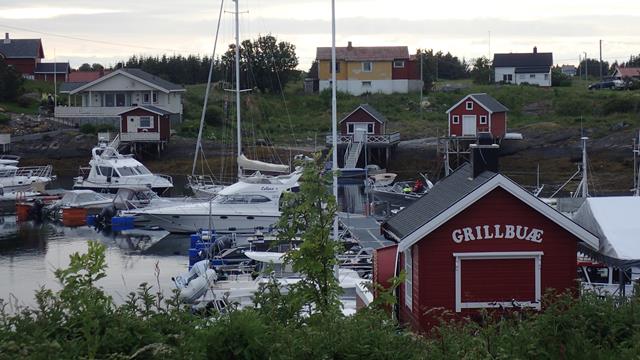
{"x": 478, "y": 240}
{"x": 475, "y": 114}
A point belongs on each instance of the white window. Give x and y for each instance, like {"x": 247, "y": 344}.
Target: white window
{"x": 350, "y": 128}
{"x": 455, "y": 119}
{"x": 408, "y": 280}
{"x": 483, "y": 119}
{"x": 398, "y": 63}
{"x": 532, "y": 76}
{"x": 469, "y": 105}
{"x": 155, "y": 97}
{"x": 366, "y": 84}
{"x": 145, "y": 98}
{"x": 367, "y": 66}
{"x": 145, "y": 122}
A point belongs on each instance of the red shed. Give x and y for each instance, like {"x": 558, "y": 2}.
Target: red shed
{"x": 478, "y": 240}
{"x": 145, "y": 124}
{"x": 364, "y": 117}
{"x": 477, "y": 113}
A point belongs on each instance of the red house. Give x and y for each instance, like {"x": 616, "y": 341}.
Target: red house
{"x": 478, "y": 240}
{"x": 22, "y": 54}
{"x": 475, "y": 114}
{"x": 50, "y": 71}
{"x": 364, "y": 118}
{"x": 145, "y": 124}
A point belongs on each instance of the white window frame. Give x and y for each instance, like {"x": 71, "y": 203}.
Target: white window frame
{"x": 370, "y": 66}
{"x": 150, "y": 122}
{"x": 468, "y": 105}
{"x": 455, "y": 119}
{"x": 398, "y": 64}
{"x": 536, "y": 255}
{"x": 146, "y": 98}
{"x": 408, "y": 280}
{"x": 154, "y": 97}
{"x": 351, "y": 128}
{"x": 483, "y": 119}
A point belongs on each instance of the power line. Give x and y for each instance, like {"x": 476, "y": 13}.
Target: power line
{"x": 88, "y": 40}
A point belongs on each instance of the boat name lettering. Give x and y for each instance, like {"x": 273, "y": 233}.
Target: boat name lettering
{"x": 267, "y": 188}
{"x": 498, "y": 231}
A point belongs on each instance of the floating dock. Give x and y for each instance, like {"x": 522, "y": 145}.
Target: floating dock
{"x": 364, "y": 229}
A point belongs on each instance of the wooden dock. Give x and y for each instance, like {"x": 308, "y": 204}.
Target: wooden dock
{"x": 364, "y": 229}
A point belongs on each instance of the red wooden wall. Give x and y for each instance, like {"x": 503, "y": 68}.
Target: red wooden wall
{"x": 360, "y": 116}
{"x": 496, "y": 122}
{"x": 23, "y": 66}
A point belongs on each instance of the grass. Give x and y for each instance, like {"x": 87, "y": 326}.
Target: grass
{"x": 307, "y": 117}
{"x": 15, "y": 108}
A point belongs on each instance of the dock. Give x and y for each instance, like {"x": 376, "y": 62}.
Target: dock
{"x": 364, "y": 229}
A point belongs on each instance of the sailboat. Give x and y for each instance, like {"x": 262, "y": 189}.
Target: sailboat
{"x": 252, "y": 203}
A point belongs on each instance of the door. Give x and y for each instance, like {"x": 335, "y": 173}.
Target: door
{"x": 360, "y": 132}
{"x": 468, "y": 125}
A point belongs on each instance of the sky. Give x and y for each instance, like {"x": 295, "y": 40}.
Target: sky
{"x": 106, "y": 32}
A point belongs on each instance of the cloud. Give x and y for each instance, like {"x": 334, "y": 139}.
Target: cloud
{"x": 49, "y": 12}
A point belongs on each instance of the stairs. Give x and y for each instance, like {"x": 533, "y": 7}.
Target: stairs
{"x": 352, "y": 155}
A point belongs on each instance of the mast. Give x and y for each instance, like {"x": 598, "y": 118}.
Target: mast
{"x": 206, "y": 94}
{"x": 238, "y": 130}
{"x": 585, "y": 184}
{"x": 334, "y": 110}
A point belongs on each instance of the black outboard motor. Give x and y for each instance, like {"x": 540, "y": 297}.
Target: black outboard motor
{"x": 103, "y": 220}
{"x": 35, "y": 211}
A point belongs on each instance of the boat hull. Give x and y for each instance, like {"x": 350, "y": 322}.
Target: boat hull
{"x": 181, "y": 223}
{"x": 113, "y": 189}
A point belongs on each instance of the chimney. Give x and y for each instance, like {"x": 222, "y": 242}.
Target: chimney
{"x": 535, "y": 49}
{"x": 484, "y": 155}
{"x": 349, "y": 45}
{"x": 6, "y": 38}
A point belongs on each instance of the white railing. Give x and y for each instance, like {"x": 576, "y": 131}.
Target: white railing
{"x": 84, "y": 111}
{"x": 140, "y": 136}
{"x": 371, "y": 138}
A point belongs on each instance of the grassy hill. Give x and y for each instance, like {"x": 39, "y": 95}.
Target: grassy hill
{"x": 306, "y": 117}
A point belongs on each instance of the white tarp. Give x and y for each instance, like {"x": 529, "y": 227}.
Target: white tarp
{"x": 616, "y": 222}
{"x": 256, "y": 165}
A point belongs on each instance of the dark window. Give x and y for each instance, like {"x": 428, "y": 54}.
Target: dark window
{"x": 105, "y": 171}
{"x": 349, "y": 128}
{"x": 598, "y": 275}
{"x": 120, "y": 99}
{"x": 145, "y": 98}
{"x": 109, "y": 100}
{"x": 398, "y": 63}
{"x": 483, "y": 119}
{"x": 155, "y": 98}
{"x": 469, "y": 105}
{"x": 370, "y": 128}
{"x": 455, "y": 119}
{"x": 616, "y": 274}
{"x": 337, "y": 67}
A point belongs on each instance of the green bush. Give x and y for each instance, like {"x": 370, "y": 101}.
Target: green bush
{"x": 25, "y": 101}
{"x": 572, "y": 106}
{"x": 619, "y": 105}
{"x": 88, "y": 129}
{"x": 4, "y": 119}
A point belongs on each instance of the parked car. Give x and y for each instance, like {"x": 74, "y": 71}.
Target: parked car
{"x": 609, "y": 84}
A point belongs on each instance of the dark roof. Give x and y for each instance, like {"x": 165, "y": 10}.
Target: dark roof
{"x": 444, "y": 194}
{"x": 149, "y": 108}
{"x": 70, "y": 86}
{"x": 153, "y": 79}
{"x": 533, "y": 69}
{"x": 49, "y": 68}
{"x": 368, "y": 108}
{"x": 523, "y": 59}
{"x": 22, "y": 48}
{"x": 364, "y": 53}
{"x": 489, "y": 102}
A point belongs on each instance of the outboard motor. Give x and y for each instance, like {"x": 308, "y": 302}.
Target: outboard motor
{"x": 35, "y": 211}
{"x": 103, "y": 220}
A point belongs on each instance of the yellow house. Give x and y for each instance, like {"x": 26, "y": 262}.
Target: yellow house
{"x": 369, "y": 69}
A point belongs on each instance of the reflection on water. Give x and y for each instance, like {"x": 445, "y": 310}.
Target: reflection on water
{"x": 29, "y": 253}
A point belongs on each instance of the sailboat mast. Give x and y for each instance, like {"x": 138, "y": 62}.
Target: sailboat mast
{"x": 238, "y": 130}
{"x": 334, "y": 110}
{"x": 206, "y": 94}
{"x": 585, "y": 184}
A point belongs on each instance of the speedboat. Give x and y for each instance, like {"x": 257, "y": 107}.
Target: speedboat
{"x": 403, "y": 193}
{"x": 23, "y": 179}
{"x": 109, "y": 171}
{"x": 88, "y": 200}
{"x": 251, "y": 204}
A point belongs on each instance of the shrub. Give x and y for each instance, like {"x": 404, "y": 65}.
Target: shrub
{"x": 214, "y": 115}
{"x": 25, "y": 101}
{"x": 4, "y": 119}
{"x": 571, "y": 106}
{"x": 88, "y": 129}
{"x": 105, "y": 128}
{"x": 619, "y": 105}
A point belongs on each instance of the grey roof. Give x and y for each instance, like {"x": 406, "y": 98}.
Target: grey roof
{"x": 22, "y": 48}
{"x": 153, "y": 79}
{"x": 523, "y": 59}
{"x": 444, "y": 194}
{"x": 49, "y": 68}
{"x": 70, "y": 86}
{"x": 489, "y": 102}
{"x": 149, "y": 108}
{"x": 368, "y": 108}
{"x": 533, "y": 69}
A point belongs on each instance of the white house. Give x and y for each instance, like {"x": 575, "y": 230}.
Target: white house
{"x": 103, "y": 99}
{"x": 523, "y": 68}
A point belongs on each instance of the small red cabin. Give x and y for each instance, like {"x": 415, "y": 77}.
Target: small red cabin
{"x": 364, "y": 118}
{"x": 145, "y": 124}
{"x": 475, "y": 114}
{"x": 478, "y": 242}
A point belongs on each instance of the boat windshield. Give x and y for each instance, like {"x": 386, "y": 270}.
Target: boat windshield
{"x": 241, "y": 199}
{"x": 142, "y": 170}
{"x": 127, "y": 171}
{"x": 7, "y": 172}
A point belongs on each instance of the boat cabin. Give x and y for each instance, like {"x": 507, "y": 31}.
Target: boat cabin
{"x": 478, "y": 240}
{"x": 476, "y": 114}
{"x": 145, "y": 124}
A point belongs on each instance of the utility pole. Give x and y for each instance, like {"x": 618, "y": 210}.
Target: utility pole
{"x": 601, "y": 79}
{"x": 422, "y": 80}
{"x": 586, "y": 66}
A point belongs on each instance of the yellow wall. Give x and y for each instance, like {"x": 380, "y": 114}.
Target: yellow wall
{"x": 381, "y": 70}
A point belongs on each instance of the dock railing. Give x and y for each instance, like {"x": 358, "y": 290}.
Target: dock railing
{"x": 390, "y": 138}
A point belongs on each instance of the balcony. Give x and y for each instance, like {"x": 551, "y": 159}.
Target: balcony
{"x": 372, "y": 139}
{"x": 139, "y": 136}
{"x": 89, "y": 111}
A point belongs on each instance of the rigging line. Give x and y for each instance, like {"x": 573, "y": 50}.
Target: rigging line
{"x": 286, "y": 108}
{"x": 206, "y": 93}
{"x": 89, "y": 40}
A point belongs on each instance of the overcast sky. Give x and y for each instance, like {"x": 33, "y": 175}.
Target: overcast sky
{"x": 107, "y": 31}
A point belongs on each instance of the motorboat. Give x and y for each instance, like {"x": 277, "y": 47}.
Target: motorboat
{"x": 382, "y": 179}
{"x": 73, "y": 201}
{"x": 109, "y": 171}
{"x": 251, "y": 204}
{"x": 15, "y": 179}
{"x": 403, "y": 193}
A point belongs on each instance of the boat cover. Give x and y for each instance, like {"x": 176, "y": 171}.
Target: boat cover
{"x": 257, "y": 165}
{"x": 614, "y": 220}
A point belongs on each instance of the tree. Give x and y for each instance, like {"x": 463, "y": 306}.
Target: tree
{"x": 309, "y": 215}
{"x": 437, "y": 65}
{"x": 97, "y": 67}
{"x": 313, "y": 70}
{"x": 558, "y": 78}
{"x": 11, "y": 82}
{"x": 84, "y": 67}
{"x": 265, "y": 63}
{"x": 592, "y": 66}
{"x": 634, "y": 61}
{"x": 481, "y": 71}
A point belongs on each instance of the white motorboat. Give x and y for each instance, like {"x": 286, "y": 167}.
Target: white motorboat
{"x": 242, "y": 208}
{"x": 109, "y": 171}
{"x": 89, "y": 200}
{"x": 23, "y": 179}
